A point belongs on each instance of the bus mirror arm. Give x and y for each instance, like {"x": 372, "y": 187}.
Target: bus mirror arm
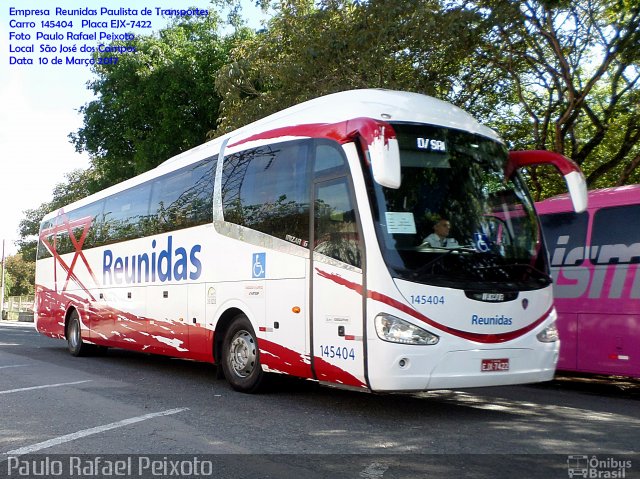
{"x": 573, "y": 176}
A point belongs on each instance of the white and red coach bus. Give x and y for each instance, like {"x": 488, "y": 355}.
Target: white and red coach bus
{"x": 296, "y": 245}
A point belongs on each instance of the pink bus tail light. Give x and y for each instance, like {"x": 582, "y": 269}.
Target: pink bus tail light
{"x": 573, "y": 176}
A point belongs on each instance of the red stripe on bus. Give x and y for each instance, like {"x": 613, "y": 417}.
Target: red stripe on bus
{"x": 367, "y": 130}
{"x": 477, "y": 337}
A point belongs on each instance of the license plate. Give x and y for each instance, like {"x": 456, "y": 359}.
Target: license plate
{"x": 494, "y": 365}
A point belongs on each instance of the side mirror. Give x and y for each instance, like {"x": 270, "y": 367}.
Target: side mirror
{"x": 573, "y": 176}
{"x": 379, "y": 142}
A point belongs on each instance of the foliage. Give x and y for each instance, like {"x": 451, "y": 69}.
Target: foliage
{"x": 153, "y": 103}
{"x": 315, "y": 48}
{"x": 21, "y": 275}
{"x": 572, "y": 71}
{"x": 8, "y": 283}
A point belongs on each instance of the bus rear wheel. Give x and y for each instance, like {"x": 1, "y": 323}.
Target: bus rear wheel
{"x": 241, "y": 356}
{"x": 75, "y": 345}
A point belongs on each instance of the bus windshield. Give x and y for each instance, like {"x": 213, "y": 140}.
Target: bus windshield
{"x": 456, "y": 221}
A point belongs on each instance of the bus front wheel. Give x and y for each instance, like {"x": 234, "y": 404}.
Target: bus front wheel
{"x": 241, "y": 356}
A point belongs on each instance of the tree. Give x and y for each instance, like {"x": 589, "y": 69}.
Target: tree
{"x": 154, "y": 102}
{"x": 22, "y": 276}
{"x": 571, "y": 71}
{"x": 315, "y": 48}
{"x": 8, "y": 283}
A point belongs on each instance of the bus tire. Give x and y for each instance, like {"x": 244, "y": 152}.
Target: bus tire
{"x": 241, "y": 356}
{"x": 75, "y": 345}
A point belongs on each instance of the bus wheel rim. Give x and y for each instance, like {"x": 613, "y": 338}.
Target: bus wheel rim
{"x": 242, "y": 354}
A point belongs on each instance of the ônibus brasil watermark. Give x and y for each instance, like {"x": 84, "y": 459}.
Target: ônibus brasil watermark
{"x": 596, "y": 467}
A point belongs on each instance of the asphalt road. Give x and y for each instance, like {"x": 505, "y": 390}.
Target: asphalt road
{"x": 160, "y": 412}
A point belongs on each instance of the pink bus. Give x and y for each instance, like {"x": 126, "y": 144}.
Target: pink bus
{"x": 595, "y": 259}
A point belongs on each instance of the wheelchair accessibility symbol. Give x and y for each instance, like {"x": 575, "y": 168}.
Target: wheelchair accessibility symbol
{"x": 259, "y": 265}
{"x": 481, "y": 242}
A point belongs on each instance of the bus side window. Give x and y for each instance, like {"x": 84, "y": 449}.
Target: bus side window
{"x": 329, "y": 156}
{"x": 182, "y": 198}
{"x": 201, "y": 192}
{"x": 616, "y": 235}
{"x": 565, "y": 236}
{"x": 124, "y": 212}
{"x": 168, "y": 202}
{"x": 336, "y": 231}
{"x": 267, "y": 189}
{"x": 90, "y": 217}
{"x": 45, "y": 227}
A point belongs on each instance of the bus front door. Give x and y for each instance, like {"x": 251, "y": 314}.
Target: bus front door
{"x": 337, "y": 279}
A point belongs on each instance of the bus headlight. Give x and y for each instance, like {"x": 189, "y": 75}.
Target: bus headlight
{"x": 395, "y": 330}
{"x": 549, "y": 334}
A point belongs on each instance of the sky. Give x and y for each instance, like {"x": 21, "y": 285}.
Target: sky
{"x": 39, "y": 103}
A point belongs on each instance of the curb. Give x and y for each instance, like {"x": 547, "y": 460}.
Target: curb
{"x": 17, "y": 324}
